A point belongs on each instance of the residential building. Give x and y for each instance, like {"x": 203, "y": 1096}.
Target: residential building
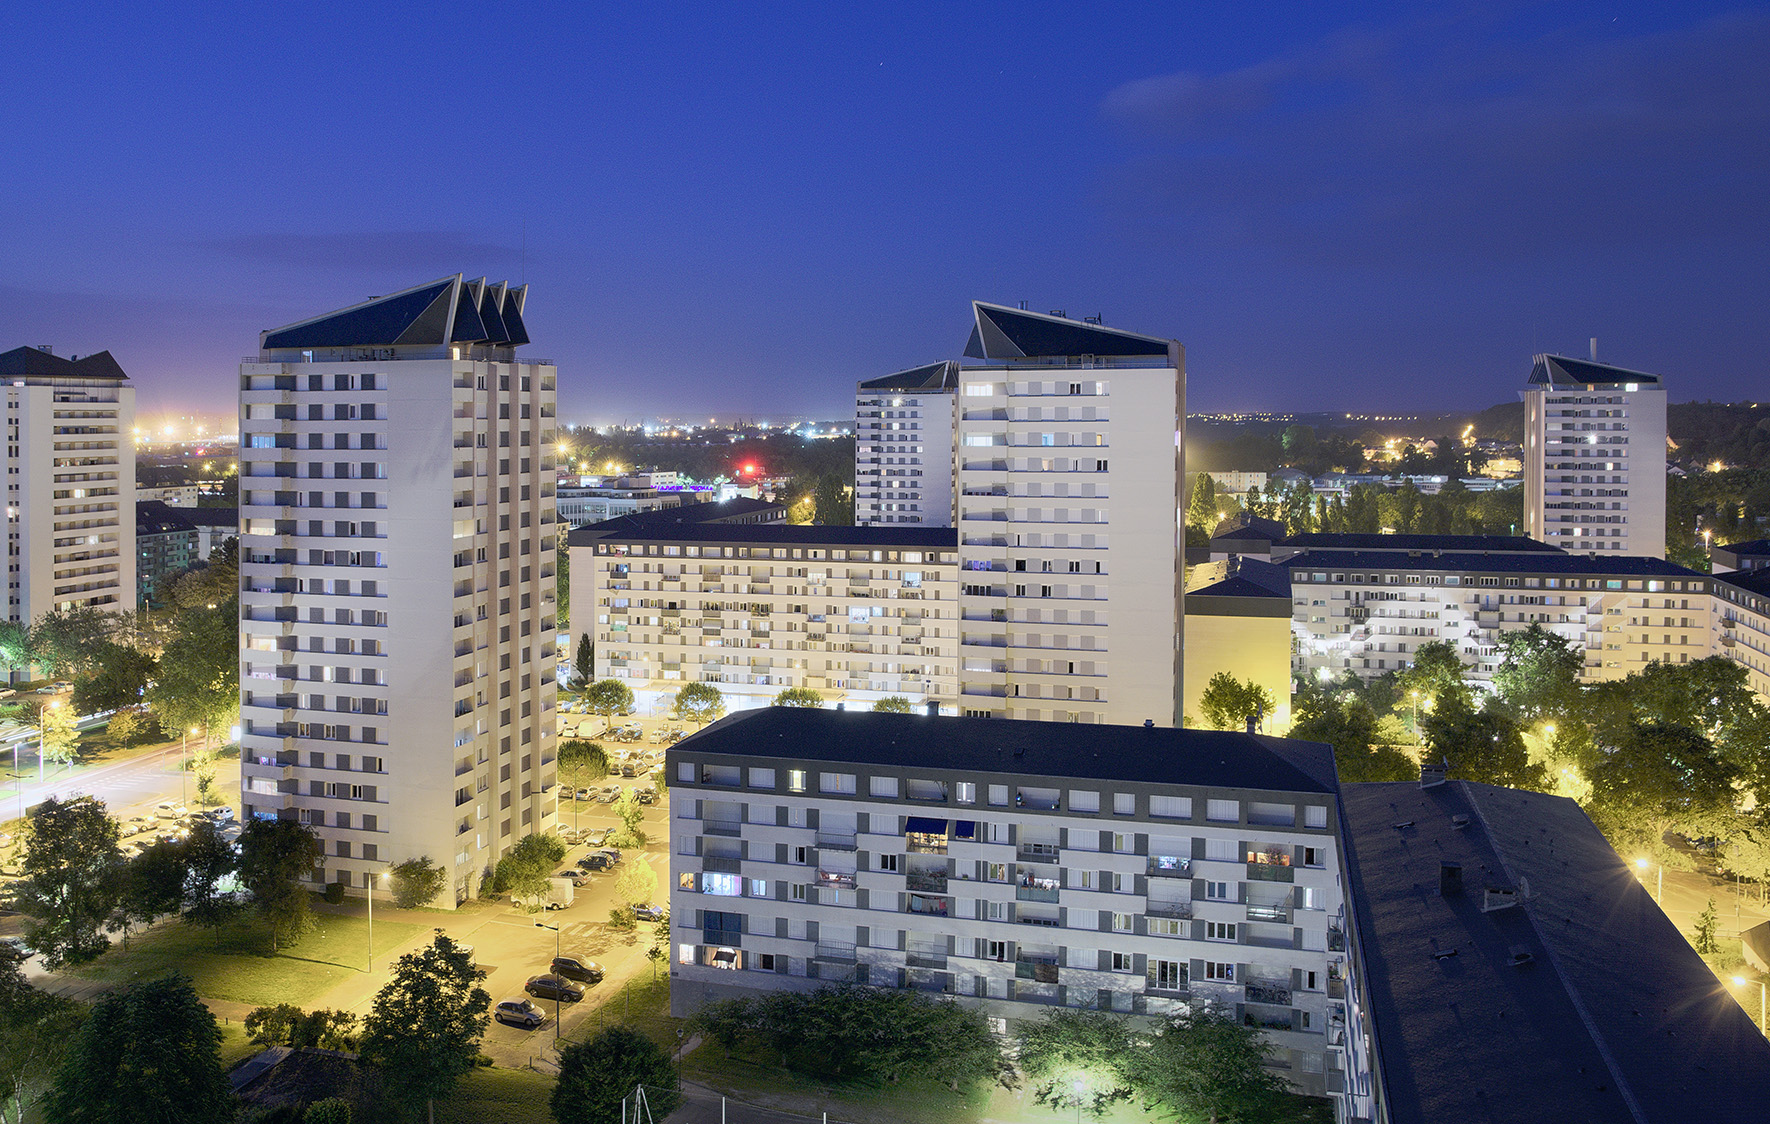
{"x": 215, "y": 526}
{"x": 1742, "y": 623}
{"x": 1240, "y": 625}
{"x": 70, "y": 483}
{"x": 593, "y": 499}
{"x": 397, "y": 581}
{"x": 1510, "y": 966}
{"x": 1753, "y": 555}
{"x": 1410, "y": 544}
{"x": 1245, "y": 536}
{"x": 1237, "y": 483}
{"x": 166, "y": 546}
{"x": 855, "y": 613}
{"x": 1018, "y": 867}
{"x": 1595, "y": 457}
{"x": 1368, "y": 611}
{"x": 1071, "y": 491}
{"x": 904, "y": 434}
{"x": 172, "y": 495}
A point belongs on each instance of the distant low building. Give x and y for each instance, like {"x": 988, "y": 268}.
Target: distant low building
{"x": 215, "y": 525}
{"x": 1511, "y": 967}
{"x": 1241, "y": 625}
{"x": 1741, "y": 630}
{"x": 1754, "y": 555}
{"x": 166, "y": 546}
{"x": 1245, "y": 536}
{"x": 175, "y": 495}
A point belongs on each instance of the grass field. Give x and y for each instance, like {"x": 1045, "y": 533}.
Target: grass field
{"x": 241, "y": 969}
{"x": 507, "y": 1096}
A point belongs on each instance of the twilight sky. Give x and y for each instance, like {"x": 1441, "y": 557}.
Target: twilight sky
{"x": 743, "y": 208}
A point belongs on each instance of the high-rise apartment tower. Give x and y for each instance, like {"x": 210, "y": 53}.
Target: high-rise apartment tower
{"x": 1595, "y": 457}
{"x": 904, "y": 431}
{"x": 70, "y": 483}
{"x": 1070, "y": 485}
{"x": 397, "y": 565}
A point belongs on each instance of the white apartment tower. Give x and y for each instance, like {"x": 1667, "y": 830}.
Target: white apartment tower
{"x": 1595, "y": 457}
{"x": 904, "y": 434}
{"x": 397, "y": 581}
{"x": 70, "y": 483}
{"x": 1071, "y": 485}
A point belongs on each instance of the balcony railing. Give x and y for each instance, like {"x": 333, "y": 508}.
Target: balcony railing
{"x": 925, "y": 956}
{"x": 932, "y": 880}
{"x": 837, "y": 953}
{"x": 1270, "y": 872}
{"x": 1270, "y": 912}
{"x": 722, "y": 864}
{"x": 1169, "y": 866}
{"x": 836, "y": 840}
{"x": 1275, "y": 994}
{"x": 722, "y": 827}
{"x": 836, "y": 879}
{"x": 1038, "y": 852}
{"x": 1181, "y": 910}
{"x": 1036, "y": 890}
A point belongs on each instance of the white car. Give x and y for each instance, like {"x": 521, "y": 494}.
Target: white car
{"x": 170, "y": 810}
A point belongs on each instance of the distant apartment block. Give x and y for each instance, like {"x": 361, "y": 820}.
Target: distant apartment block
{"x": 1753, "y": 555}
{"x": 166, "y": 546}
{"x": 1742, "y": 623}
{"x": 70, "y": 483}
{"x": 855, "y": 613}
{"x": 1070, "y": 492}
{"x": 397, "y": 568}
{"x": 1595, "y": 457}
{"x": 904, "y": 430}
{"x": 1018, "y": 867}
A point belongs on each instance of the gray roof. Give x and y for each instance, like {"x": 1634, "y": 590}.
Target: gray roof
{"x": 435, "y": 314}
{"x": 1242, "y": 526}
{"x": 1467, "y": 544}
{"x": 1756, "y": 582}
{"x": 1251, "y": 578}
{"x": 1583, "y": 1003}
{"x": 941, "y": 376}
{"x": 212, "y": 516}
{"x": 1560, "y": 370}
{"x": 664, "y": 518}
{"x": 1626, "y": 565}
{"x": 770, "y": 534}
{"x": 153, "y": 517}
{"x": 34, "y": 362}
{"x": 1002, "y": 334}
{"x": 1155, "y": 755}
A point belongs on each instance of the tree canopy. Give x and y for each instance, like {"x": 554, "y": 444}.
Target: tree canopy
{"x": 595, "y": 1076}
{"x": 147, "y": 1052}
{"x": 275, "y": 858}
{"x": 799, "y": 696}
{"x": 424, "y": 1029}
{"x": 1227, "y": 702}
{"x": 699, "y": 703}
{"x": 72, "y": 878}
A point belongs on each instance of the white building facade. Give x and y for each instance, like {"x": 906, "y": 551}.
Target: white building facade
{"x": 1017, "y": 867}
{"x": 904, "y": 436}
{"x": 1595, "y": 458}
{"x": 856, "y": 613}
{"x": 1071, "y": 494}
{"x": 70, "y": 484}
{"x": 397, "y": 560}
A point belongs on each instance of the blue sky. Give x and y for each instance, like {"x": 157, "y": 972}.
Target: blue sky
{"x": 742, "y": 209}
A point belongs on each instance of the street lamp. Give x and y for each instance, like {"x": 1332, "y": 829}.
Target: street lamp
{"x": 385, "y": 876}
{"x": 556, "y": 979}
{"x": 1660, "y": 895}
{"x": 48, "y": 706}
{"x": 1741, "y": 982}
{"x": 184, "y": 772}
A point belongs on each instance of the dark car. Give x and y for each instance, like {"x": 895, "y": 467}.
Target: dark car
{"x": 608, "y": 853}
{"x": 519, "y": 1012}
{"x": 553, "y": 987}
{"x": 574, "y": 968}
{"x": 594, "y": 861}
{"x": 645, "y": 796}
{"x": 648, "y": 912}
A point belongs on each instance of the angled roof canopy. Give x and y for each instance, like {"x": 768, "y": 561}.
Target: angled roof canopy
{"x": 28, "y": 362}
{"x": 435, "y": 314}
{"x": 1012, "y": 333}
{"x": 943, "y": 375}
{"x": 1559, "y": 370}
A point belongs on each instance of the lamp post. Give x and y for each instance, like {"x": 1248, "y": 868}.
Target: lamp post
{"x": 557, "y": 978}
{"x": 48, "y": 706}
{"x": 1659, "y": 896}
{"x": 1763, "y": 1027}
{"x": 384, "y": 878}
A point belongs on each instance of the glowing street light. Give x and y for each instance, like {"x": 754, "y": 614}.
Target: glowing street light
{"x": 1740, "y": 981}
{"x": 1660, "y": 893}
{"x": 386, "y": 877}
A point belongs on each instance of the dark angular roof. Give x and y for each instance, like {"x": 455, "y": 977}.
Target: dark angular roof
{"x": 1463, "y": 544}
{"x": 1733, "y": 552}
{"x": 1010, "y": 333}
{"x": 1241, "y": 525}
{"x": 943, "y": 375}
{"x": 33, "y": 362}
{"x": 1156, "y": 755}
{"x": 435, "y": 314}
{"x": 662, "y": 518}
{"x": 1756, "y": 582}
{"x": 1627, "y": 565}
{"x": 153, "y": 517}
{"x": 212, "y": 516}
{"x": 1559, "y": 370}
{"x": 1583, "y": 1004}
{"x": 771, "y": 534}
{"x": 1250, "y": 578}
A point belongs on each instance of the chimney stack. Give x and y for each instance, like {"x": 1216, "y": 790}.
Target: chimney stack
{"x": 1594, "y": 349}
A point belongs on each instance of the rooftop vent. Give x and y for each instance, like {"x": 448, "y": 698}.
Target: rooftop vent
{"x": 1403, "y": 825}
{"x": 1521, "y": 956}
{"x": 46, "y": 349}
{"x": 1459, "y": 821}
{"x": 1444, "y": 954}
{"x": 1432, "y": 775}
{"x": 1496, "y": 898}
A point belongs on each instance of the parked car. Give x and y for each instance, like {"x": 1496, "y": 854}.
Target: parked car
{"x": 645, "y": 795}
{"x": 595, "y": 861}
{"x": 578, "y": 877}
{"x": 170, "y": 810}
{"x": 610, "y": 853}
{"x": 577, "y": 968}
{"x": 609, "y": 795}
{"x": 648, "y": 912}
{"x": 599, "y": 836}
{"x": 219, "y": 815}
{"x": 519, "y": 1012}
{"x": 14, "y": 948}
{"x": 553, "y": 987}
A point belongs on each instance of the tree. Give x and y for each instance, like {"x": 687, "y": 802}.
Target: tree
{"x": 58, "y": 733}
{"x": 799, "y": 696}
{"x": 1297, "y": 508}
{"x": 125, "y": 726}
{"x": 152, "y": 884}
{"x": 275, "y": 858}
{"x": 637, "y": 883}
{"x": 562, "y": 569}
{"x": 424, "y": 1029}
{"x": 417, "y": 882}
{"x": 1202, "y": 1063}
{"x": 632, "y": 816}
{"x": 35, "y": 1027}
{"x": 67, "y": 642}
{"x": 596, "y": 1075}
{"x": 1201, "y": 505}
{"x": 892, "y": 704}
{"x": 1478, "y": 745}
{"x": 1228, "y": 703}
{"x": 16, "y": 653}
{"x": 71, "y": 881}
{"x": 525, "y": 870}
{"x": 833, "y": 498}
{"x": 1076, "y": 1059}
{"x": 1437, "y": 672}
{"x": 699, "y": 703}
{"x": 609, "y": 697}
{"x": 208, "y": 861}
{"x": 1707, "y": 927}
{"x": 1350, "y": 726}
{"x": 151, "y": 1052}
{"x": 1538, "y": 676}
{"x": 585, "y": 665}
{"x": 1657, "y": 778}
{"x": 198, "y": 682}
{"x": 329, "y": 1110}
{"x": 118, "y": 680}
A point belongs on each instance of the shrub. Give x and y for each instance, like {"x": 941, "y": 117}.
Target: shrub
{"x": 334, "y": 893}
{"x": 332, "y": 1110}
{"x": 272, "y": 1026}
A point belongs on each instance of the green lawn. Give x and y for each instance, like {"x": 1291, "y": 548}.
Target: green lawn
{"x": 508, "y": 1096}
{"x": 241, "y": 970}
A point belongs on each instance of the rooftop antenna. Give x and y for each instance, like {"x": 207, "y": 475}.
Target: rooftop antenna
{"x": 1594, "y": 349}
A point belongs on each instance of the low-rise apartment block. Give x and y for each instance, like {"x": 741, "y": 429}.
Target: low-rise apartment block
{"x": 1368, "y": 612}
{"x": 904, "y": 429}
{"x": 1017, "y": 866}
{"x": 1742, "y": 623}
{"x": 856, "y": 613}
